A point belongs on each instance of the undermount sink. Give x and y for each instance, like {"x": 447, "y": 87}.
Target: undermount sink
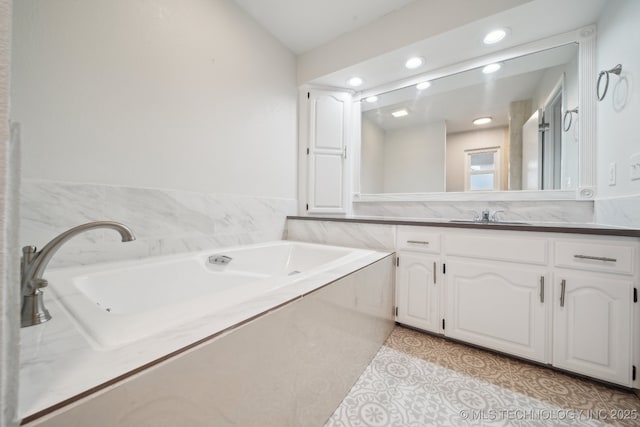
{"x": 469, "y": 221}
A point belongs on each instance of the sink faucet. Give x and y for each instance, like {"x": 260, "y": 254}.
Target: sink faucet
{"x": 487, "y": 216}
{"x": 33, "y": 264}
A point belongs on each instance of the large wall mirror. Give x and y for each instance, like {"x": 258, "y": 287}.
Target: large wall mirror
{"x": 507, "y": 126}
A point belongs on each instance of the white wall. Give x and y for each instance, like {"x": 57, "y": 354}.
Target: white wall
{"x": 414, "y": 159}
{"x": 371, "y": 158}
{"x": 457, "y": 143}
{"x": 618, "y": 42}
{"x": 175, "y": 118}
{"x": 190, "y": 95}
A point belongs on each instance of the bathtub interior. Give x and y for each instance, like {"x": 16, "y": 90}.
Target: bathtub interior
{"x": 147, "y": 287}
{"x": 281, "y": 258}
{"x": 124, "y": 302}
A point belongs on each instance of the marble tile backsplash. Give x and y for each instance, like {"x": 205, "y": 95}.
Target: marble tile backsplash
{"x": 552, "y": 211}
{"x": 619, "y": 211}
{"x": 164, "y": 221}
{"x": 350, "y": 234}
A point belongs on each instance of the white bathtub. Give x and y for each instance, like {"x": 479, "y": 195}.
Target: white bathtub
{"x": 118, "y": 303}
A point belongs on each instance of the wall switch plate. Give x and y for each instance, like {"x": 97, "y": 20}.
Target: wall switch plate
{"x": 635, "y": 166}
{"x": 612, "y": 173}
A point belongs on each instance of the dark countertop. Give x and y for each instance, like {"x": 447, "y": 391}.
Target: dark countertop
{"x": 594, "y": 229}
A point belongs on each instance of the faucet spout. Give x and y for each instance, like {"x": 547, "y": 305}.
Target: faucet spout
{"x": 34, "y": 263}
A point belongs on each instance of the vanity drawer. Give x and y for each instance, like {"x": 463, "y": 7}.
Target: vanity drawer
{"x": 522, "y": 249}
{"x": 612, "y": 257}
{"x": 417, "y": 240}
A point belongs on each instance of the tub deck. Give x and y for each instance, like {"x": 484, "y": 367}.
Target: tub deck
{"x": 61, "y": 361}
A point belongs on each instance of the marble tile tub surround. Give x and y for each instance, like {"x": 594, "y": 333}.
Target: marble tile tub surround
{"x": 351, "y": 234}
{"x": 294, "y": 362}
{"x": 618, "y": 211}
{"x": 538, "y": 211}
{"x": 164, "y": 221}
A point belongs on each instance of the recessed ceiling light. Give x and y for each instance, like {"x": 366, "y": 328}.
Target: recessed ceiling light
{"x": 355, "y": 81}
{"x": 423, "y": 85}
{"x": 400, "y": 113}
{"x": 414, "y": 62}
{"x": 482, "y": 121}
{"x": 495, "y": 36}
{"x": 371, "y": 99}
{"x": 491, "y": 68}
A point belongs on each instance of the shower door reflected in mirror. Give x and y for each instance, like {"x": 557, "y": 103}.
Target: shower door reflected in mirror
{"x": 423, "y": 138}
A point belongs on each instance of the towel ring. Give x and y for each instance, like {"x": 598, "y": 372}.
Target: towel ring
{"x": 567, "y": 119}
{"x": 615, "y": 70}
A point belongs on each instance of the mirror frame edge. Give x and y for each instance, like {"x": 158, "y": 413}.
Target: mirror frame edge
{"x": 586, "y": 189}
{"x": 586, "y": 38}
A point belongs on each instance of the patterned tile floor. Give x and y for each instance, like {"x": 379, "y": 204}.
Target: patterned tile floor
{"x": 419, "y": 380}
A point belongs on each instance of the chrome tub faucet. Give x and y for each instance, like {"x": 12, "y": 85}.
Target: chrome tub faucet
{"x": 34, "y": 263}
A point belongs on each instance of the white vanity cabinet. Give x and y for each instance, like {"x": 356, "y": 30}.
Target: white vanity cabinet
{"x": 498, "y": 305}
{"x": 566, "y": 301}
{"x": 593, "y": 311}
{"x": 418, "y": 279}
{"x": 496, "y": 291}
{"x": 418, "y": 292}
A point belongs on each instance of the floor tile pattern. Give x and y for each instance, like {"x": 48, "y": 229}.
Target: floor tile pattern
{"x": 419, "y": 380}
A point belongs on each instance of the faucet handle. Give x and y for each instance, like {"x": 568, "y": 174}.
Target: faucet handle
{"x": 41, "y": 283}
{"x": 28, "y": 251}
{"x": 32, "y": 285}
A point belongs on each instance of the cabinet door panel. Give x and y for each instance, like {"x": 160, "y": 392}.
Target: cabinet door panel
{"x": 328, "y": 182}
{"x": 417, "y": 293}
{"x": 592, "y": 329}
{"x": 328, "y": 139}
{"x": 497, "y": 306}
{"x": 329, "y": 123}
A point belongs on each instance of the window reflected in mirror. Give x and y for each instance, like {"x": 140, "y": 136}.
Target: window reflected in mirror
{"x": 483, "y": 170}
{"x": 476, "y": 131}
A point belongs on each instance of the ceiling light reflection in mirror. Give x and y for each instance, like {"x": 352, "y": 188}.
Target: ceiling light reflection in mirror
{"x": 491, "y": 68}
{"x": 496, "y": 36}
{"x": 355, "y": 81}
{"x": 413, "y": 63}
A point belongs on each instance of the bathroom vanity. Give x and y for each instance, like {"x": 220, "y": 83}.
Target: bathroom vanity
{"x": 564, "y": 296}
